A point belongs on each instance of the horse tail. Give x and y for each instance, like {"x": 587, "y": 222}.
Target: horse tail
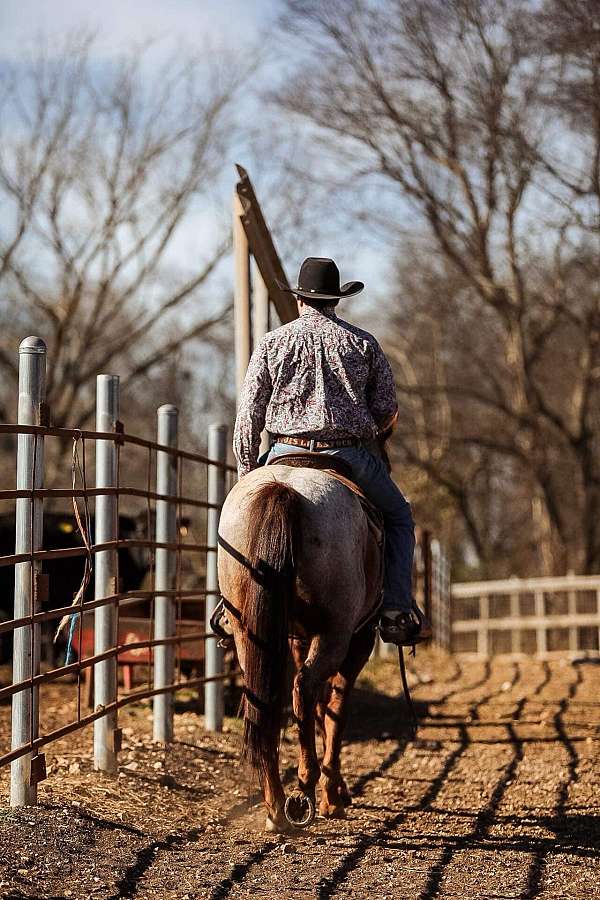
{"x": 268, "y": 590}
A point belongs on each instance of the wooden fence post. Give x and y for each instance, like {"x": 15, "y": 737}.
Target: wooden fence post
{"x": 483, "y": 648}
{"x": 572, "y": 611}
{"x": 260, "y": 326}
{"x": 241, "y": 297}
{"x": 540, "y": 631}
{"x": 515, "y": 636}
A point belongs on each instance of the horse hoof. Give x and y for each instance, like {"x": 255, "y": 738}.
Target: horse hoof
{"x": 278, "y": 826}
{"x": 299, "y": 810}
{"x": 332, "y": 811}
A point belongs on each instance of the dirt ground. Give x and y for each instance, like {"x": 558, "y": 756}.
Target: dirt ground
{"x": 497, "y": 797}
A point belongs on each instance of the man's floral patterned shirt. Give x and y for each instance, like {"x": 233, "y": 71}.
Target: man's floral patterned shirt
{"x": 316, "y": 377}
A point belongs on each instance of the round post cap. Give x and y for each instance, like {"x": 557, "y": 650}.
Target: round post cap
{"x": 32, "y": 344}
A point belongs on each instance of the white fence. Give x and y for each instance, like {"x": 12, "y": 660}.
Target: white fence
{"x": 543, "y": 617}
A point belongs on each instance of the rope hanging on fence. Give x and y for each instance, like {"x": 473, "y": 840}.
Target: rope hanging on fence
{"x": 84, "y": 528}
{"x": 74, "y": 619}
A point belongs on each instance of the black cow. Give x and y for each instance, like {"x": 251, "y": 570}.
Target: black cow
{"x": 65, "y": 574}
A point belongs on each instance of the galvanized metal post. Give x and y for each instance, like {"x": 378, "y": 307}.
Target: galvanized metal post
{"x": 213, "y": 690}
{"x": 166, "y": 533}
{"x": 28, "y": 537}
{"x": 241, "y": 296}
{"x": 106, "y": 574}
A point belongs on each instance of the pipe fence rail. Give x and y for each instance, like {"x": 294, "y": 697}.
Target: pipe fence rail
{"x": 171, "y": 637}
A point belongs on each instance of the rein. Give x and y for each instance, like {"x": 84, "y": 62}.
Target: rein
{"x": 406, "y": 689}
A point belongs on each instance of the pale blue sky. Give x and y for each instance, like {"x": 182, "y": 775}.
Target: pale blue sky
{"x": 220, "y": 27}
{"x": 119, "y": 22}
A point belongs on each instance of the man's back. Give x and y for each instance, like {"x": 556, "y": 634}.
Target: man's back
{"x": 316, "y": 377}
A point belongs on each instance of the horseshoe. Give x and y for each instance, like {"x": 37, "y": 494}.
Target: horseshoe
{"x": 299, "y": 810}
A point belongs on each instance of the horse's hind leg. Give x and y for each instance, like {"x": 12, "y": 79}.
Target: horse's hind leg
{"x": 335, "y": 796}
{"x": 321, "y": 663}
{"x": 322, "y": 704}
{"x": 303, "y": 707}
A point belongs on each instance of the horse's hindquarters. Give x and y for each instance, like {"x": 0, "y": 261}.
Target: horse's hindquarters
{"x": 292, "y": 542}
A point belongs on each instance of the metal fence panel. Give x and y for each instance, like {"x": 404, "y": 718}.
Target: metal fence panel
{"x": 99, "y": 640}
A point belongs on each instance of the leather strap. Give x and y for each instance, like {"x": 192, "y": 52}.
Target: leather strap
{"x": 316, "y": 445}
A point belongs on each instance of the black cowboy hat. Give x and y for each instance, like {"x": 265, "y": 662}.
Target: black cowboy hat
{"x": 319, "y": 279}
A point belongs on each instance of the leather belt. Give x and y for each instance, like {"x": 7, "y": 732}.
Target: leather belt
{"x": 309, "y": 444}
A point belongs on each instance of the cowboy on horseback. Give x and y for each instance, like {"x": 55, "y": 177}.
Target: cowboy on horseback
{"x": 324, "y": 385}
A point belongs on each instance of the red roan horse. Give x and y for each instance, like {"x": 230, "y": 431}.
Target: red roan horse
{"x": 298, "y": 563}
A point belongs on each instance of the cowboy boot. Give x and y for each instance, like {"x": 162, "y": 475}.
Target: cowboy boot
{"x": 405, "y": 628}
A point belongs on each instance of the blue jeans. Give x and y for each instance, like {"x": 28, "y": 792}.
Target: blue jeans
{"x": 370, "y": 474}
